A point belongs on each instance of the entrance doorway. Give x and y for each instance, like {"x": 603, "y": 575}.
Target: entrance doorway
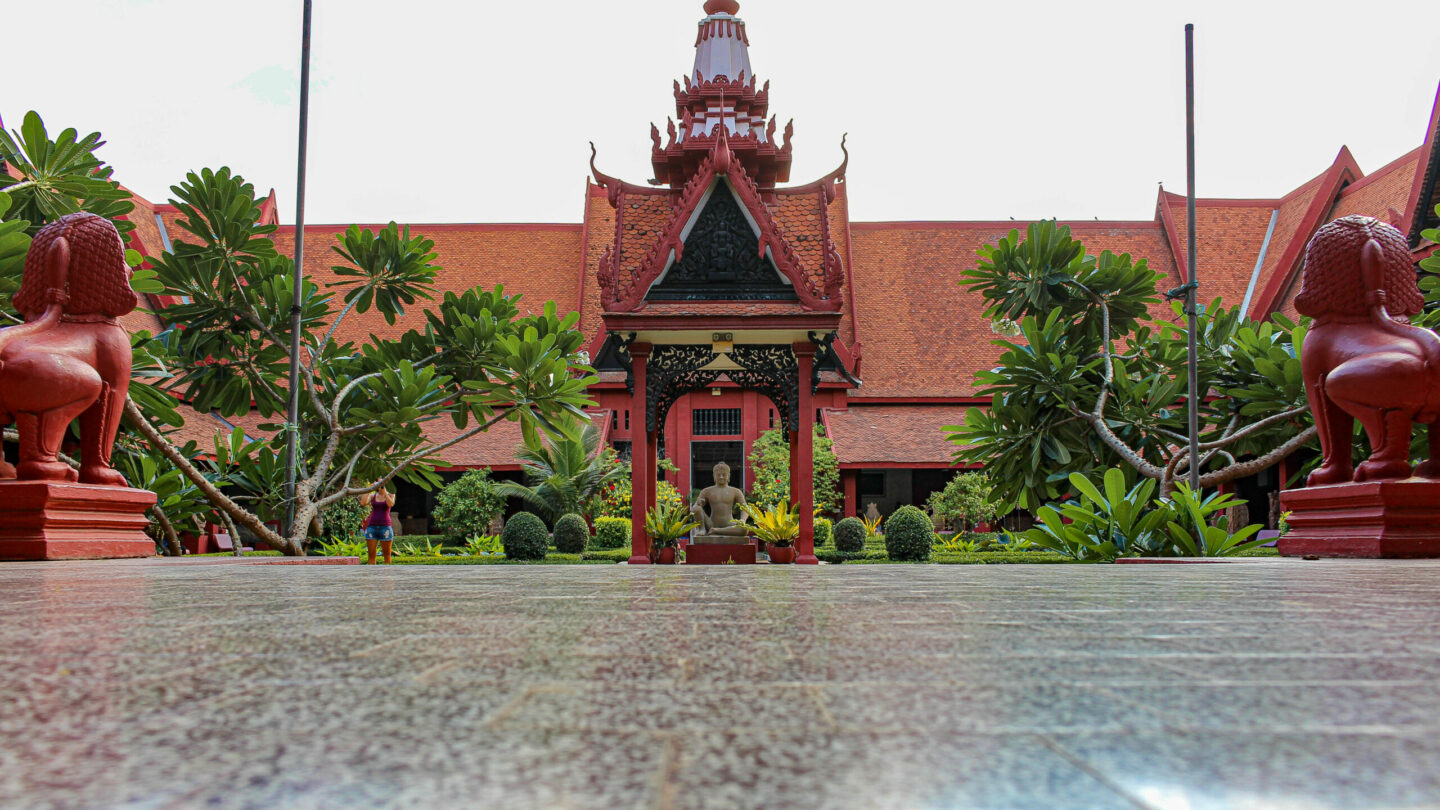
{"x": 705, "y": 455}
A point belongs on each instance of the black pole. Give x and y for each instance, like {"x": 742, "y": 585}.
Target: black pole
{"x": 292, "y": 418}
{"x": 1191, "y": 282}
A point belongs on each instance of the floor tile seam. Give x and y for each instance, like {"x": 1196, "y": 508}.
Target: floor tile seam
{"x": 1093, "y": 772}
{"x": 665, "y": 787}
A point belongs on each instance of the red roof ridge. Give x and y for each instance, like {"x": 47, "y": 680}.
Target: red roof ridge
{"x": 1343, "y": 170}
{"x": 1394, "y": 165}
{"x": 1423, "y": 171}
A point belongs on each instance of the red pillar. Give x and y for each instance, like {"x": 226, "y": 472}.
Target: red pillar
{"x": 652, "y": 469}
{"x": 639, "y": 452}
{"x": 802, "y": 458}
{"x": 850, "y": 479}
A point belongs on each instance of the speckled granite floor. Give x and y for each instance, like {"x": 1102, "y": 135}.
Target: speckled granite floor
{"x": 1282, "y": 684}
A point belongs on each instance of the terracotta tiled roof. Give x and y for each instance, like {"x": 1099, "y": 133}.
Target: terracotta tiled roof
{"x": 1379, "y": 192}
{"x": 643, "y": 217}
{"x": 801, "y": 220}
{"x": 880, "y": 434}
{"x": 599, "y": 231}
{"x": 923, "y": 335}
{"x": 537, "y": 261}
{"x": 1230, "y": 234}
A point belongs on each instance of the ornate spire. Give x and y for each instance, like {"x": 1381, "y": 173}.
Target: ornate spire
{"x": 720, "y": 93}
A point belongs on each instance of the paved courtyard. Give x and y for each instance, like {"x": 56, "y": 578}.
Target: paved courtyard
{"x": 1265, "y": 683}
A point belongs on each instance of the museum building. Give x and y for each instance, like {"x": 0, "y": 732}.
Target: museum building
{"x": 721, "y": 257}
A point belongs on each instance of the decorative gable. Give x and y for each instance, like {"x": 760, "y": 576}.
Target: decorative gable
{"x": 720, "y": 261}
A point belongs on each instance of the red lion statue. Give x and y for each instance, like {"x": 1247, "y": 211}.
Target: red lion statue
{"x": 1362, "y": 359}
{"x": 70, "y": 358}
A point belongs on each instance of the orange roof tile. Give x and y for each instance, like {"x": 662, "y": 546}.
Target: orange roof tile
{"x": 923, "y": 335}
{"x": 536, "y": 261}
{"x": 889, "y": 434}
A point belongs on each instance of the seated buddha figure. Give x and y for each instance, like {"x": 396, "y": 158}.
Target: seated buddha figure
{"x": 724, "y": 501}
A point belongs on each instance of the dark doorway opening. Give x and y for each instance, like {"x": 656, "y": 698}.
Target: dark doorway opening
{"x": 705, "y": 455}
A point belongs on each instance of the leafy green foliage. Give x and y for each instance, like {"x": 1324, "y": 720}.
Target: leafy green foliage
{"x": 1121, "y": 522}
{"x": 466, "y": 506}
{"x": 484, "y": 545}
{"x": 1429, "y": 281}
{"x": 60, "y": 176}
{"x": 564, "y": 473}
{"x": 850, "y": 535}
{"x": 571, "y": 534}
{"x": 908, "y": 534}
{"x": 1200, "y": 527}
{"x": 342, "y": 548}
{"x": 777, "y": 526}
{"x": 524, "y": 537}
{"x": 770, "y": 461}
{"x": 342, "y": 519}
{"x": 1066, "y": 398}
{"x": 364, "y": 408}
{"x": 823, "y": 530}
{"x": 666, "y": 524}
{"x": 612, "y": 532}
{"x": 967, "y": 498}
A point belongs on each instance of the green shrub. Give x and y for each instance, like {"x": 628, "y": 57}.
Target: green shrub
{"x": 823, "y": 531}
{"x": 612, "y": 532}
{"x": 342, "y": 520}
{"x": 571, "y": 534}
{"x": 525, "y": 538}
{"x": 908, "y": 534}
{"x": 465, "y": 507}
{"x": 849, "y": 535}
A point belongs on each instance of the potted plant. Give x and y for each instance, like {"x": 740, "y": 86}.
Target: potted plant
{"x": 666, "y": 524}
{"x": 777, "y": 528}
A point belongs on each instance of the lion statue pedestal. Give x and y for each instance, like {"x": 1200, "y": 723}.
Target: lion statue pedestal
{"x": 1362, "y": 360}
{"x": 70, "y": 360}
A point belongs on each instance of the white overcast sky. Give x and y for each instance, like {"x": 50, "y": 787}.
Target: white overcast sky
{"x": 460, "y": 111}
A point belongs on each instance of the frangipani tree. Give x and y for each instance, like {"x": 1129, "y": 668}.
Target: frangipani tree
{"x": 1095, "y": 380}
{"x": 365, "y": 408}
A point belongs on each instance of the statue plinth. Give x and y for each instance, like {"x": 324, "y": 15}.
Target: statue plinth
{"x": 1371, "y": 519}
{"x": 46, "y": 520}
{"x": 720, "y": 551}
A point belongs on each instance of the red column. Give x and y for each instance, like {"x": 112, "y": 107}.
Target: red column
{"x": 802, "y": 458}
{"x": 652, "y": 469}
{"x": 639, "y": 452}
{"x": 850, "y": 479}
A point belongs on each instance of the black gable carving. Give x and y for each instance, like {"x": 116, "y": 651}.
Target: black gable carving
{"x": 722, "y": 261}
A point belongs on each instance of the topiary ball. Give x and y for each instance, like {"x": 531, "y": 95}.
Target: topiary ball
{"x": 823, "y": 531}
{"x": 908, "y": 534}
{"x": 850, "y": 535}
{"x": 525, "y": 538}
{"x": 571, "y": 534}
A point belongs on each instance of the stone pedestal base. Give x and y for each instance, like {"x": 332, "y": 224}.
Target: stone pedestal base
{"x": 1371, "y": 519}
{"x": 720, "y": 553}
{"x": 41, "y": 520}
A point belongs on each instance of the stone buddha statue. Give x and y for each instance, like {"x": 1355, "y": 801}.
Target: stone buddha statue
{"x": 719, "y": 525}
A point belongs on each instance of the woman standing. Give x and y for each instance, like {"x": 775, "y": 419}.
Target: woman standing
{"x": 379, "y": 528}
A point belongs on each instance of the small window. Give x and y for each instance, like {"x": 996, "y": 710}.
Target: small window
{"x": 715, "y": 421}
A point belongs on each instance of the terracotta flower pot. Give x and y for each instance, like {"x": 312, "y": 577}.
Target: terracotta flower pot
{"x": 666, "y": 556}
{"x": 780, "y": 554}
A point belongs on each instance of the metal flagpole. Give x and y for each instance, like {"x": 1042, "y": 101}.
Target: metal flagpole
{"x": 1191, "y": 282}
{"x": 292, "y": 418}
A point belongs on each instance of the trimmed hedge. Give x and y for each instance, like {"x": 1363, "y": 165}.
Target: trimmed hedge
{"x": 571, "y": 534}
{"x": 612, "y": 532}
{"x": 908, "y": 534}
{"x": 822, "y": 531}
{"x": 525, "y": 538}
{"x": 849, "y": 535}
